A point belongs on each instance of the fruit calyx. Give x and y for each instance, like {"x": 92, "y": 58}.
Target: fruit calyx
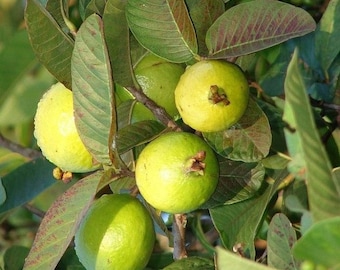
{"x": 217, "y": 95}
{"x": 195, "y": 164}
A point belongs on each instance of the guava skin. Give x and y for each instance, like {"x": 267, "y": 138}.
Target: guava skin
{"x": 56, "y": 132}
{"x": 158, "y": 79}
{"x": 166, "y": 175}
{"x": 116, "y": 233}
{"x": 212, "y": 95}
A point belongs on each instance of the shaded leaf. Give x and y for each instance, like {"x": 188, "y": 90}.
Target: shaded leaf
{"x": 94, "y": 106}
{"x": 327, "y": 35}
{"x": 323, "y": 187}
{"x": 51, "y": 45}
{"x": 18, "y": 183}
{"x": 137, "y": 134}
{"x": 238, "y": 181}
{"x": 321, "y": 244}
{"x": 59, "y": 11}
{"x": 14, "y": 257}
{"x": 117, "y": 36}
{"x": 9, "y": 161}
{"x": 238, "y": 223}
{"x": 229, "y": 260}
{"x": 255, "y": 25}
{"x": 16, "y": 53}
{"x": 203, "y": 13}
{"x": 61, "y": 221}
{"x": 280, "y": 240}
{"x": 249, "y": 140}
{"x": 95, "y": 7}
{"x": 163, "y": 27}
{"x": 192, "y": 262}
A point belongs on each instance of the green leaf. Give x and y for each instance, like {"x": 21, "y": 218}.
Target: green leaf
{"x": 238, "y": 223}
{"x": 255, "y": 25}
{"x": 238, "y": 181}
{"x": 51, "y": 45}
{"x": 9, "y": 161}
{"x": 137, "y": 134}
{"x": 14, "y": 257}
{"x": 228, "y": 260}
{"x": 280, "y": 240}
{"x": 327, "y": 35}
{"x": 94, "y": 105}
{"x": 323, "y": 187}
{"x": 193, "y": 262}
{"x": 17, "y": 47}
{"x": 117, "y": 35}
{"x": 59, "y": 11}
{"x": 61, "y": 221}
{"x": 163, "y": 27}
{"x": 321, "y": 244}
{"x": 203, "y": 13}
{"x": 249, "y": 140}
{"x": 95, "y": 7}
{"x": 18, "y": 183}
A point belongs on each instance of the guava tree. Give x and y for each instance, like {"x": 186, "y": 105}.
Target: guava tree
{"x": 277, "y": 201}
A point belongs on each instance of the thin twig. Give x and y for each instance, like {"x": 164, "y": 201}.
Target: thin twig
{"x": 178, "y": 231}
{"x": 24, "y": 151}
{"x": 34, "y": 210}
{"x": 158, "y": 111}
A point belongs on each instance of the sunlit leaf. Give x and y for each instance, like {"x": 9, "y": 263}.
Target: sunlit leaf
{"x": 50, "y": 43}
{"x": 238, "y": 181}
{"x": 255, "y": 25}
{"x": 323, "y": 187}
{"x": 163, "y": 27}
{"x": 193, "y": 262}
{"x": 18, "y": 183}
{"x": 249, "y": 140}
{"x": 238, "y": 223}
{"x": 61, "y": 221}
{"x": 229, "y": 260}
{"x": 321, "y": 244}
{"x": 117, "y": 36}
{"x": 280, "y": 240}
{"x": 327, "y": 35}
{"x": 93, "y": 90}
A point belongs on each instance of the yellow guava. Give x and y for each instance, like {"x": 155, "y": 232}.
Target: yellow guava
{"x": 158, "y": 79}
{"x": 177, "y": 172}
{"x": 212, "y": 95}
{"x": 56, "y": 133}
{"x": 116, "y": 233}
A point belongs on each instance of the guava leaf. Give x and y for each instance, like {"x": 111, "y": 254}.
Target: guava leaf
{"x": 249, "y": 140}
{"x": 51, "y": 45}
{"x": 238, "y": 181}
{"x": 94, "y": 106}
{"x": 163, "y": 27}
{"x": 59, "y": 11}
{"x": 137, "y": 134}
{"x": 255, "y": 25}
{"x": 203, "y": 13}
{"x": 17, "y": 47}
{"x": 229, "y": 260}
{"x": 18, "y": 183}
{"x": 238, "y": 223}
{"x": 62, "y": 219}
{"x": 280, "y": 240}
{"x": 321, "y": 244}
{"x": 193, "y": 262}
{"x": 95, "y": 7}
{"x": 327, "y": 35}
{"x": 14, "y": 257}
{"x": 323, "y": 186}
{"x": 117, "y": 35}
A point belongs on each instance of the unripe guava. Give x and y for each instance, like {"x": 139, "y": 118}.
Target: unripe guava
{"x": 116, "y": 233}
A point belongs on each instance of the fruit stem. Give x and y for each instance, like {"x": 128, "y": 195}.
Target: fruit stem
{"x": 196, "y": 164}
{"x": 217, "y": 95}
{"x": 178, "y": 230}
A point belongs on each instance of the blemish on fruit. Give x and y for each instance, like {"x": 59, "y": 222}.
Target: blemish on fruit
{"x": 196, "y": 163}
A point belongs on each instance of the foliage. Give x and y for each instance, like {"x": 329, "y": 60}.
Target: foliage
{"x": 279, "y": 178}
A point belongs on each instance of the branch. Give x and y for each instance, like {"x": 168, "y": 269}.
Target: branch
{"x": 178, "y": 231}
{"x": 158, "y": 111}
{"x": 24, "y": 151}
